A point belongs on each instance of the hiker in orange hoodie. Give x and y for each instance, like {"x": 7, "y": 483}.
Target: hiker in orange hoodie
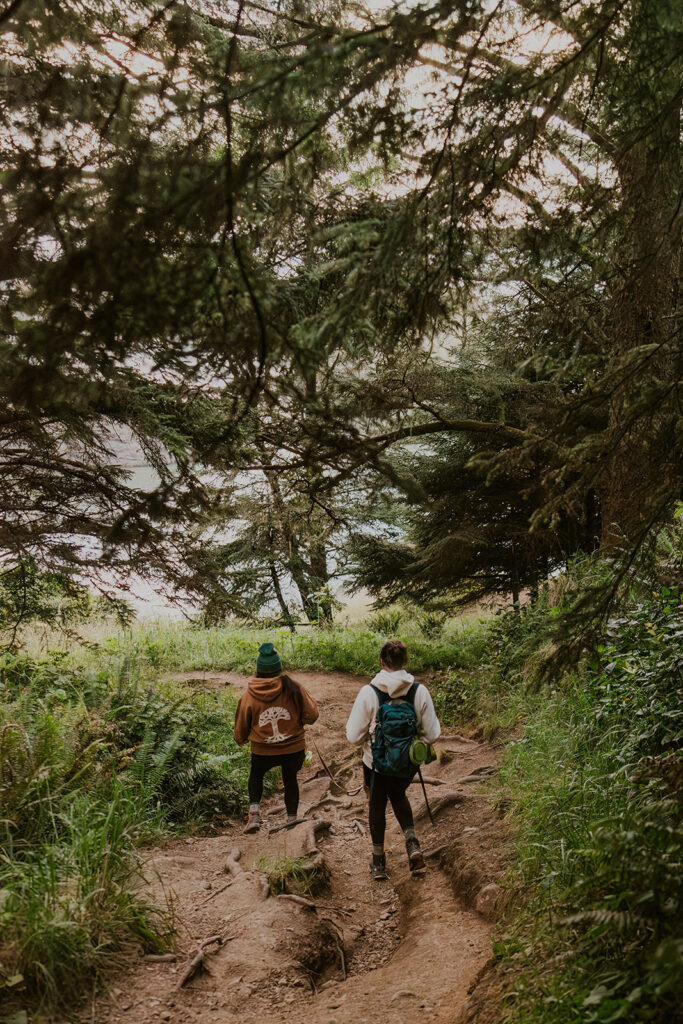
{"x": 272, "y": 715}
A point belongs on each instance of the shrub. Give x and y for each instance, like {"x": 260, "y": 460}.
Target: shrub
{"x": 596, "y": 787}
{"x": 92, "y": 764}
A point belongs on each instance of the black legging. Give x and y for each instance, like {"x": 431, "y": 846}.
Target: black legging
{"x": 383, "y": 788}
{"x": 291, "y": 764}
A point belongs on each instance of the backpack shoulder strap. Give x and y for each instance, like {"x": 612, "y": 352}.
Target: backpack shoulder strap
{"x": 382, "y": 697}
{"x": 410, "y": 695}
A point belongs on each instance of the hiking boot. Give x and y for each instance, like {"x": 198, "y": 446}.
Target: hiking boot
{"x": 253, "y": 822}
{"x": 415, "y": 858}
{"x": 378, "y": 868}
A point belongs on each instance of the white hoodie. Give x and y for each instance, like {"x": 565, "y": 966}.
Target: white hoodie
{"x": 362, "y": 720}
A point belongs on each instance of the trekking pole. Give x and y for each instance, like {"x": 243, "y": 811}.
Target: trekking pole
{"x": 424, "y": 790}
{"x": 327, "y": 771}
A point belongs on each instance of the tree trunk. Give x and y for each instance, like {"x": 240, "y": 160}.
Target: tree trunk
{"x": 642, "y": 472}
{"x": 321, "y": 575}
{"x": 515, "y": 579}
{"x": 284, "y": 607}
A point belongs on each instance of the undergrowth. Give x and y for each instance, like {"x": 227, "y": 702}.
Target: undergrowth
{"x": 99, "y": 754}
{"x": 595, "y": 785}
{"x": 92, "y": 765}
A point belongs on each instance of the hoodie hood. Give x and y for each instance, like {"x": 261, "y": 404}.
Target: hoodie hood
{"x": 394, "y": 683}
{"x": 265, "y": 689}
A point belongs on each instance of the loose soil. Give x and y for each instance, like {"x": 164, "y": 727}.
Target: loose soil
{"x": 405, "y": 948}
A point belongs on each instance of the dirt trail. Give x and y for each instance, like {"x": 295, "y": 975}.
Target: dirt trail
{"x": 406, "y": 947}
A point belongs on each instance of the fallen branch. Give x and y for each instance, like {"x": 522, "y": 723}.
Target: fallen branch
{"x": 160, "y": 958}
{"x": 215, "y": 893}
{"x": 197, "y": 961}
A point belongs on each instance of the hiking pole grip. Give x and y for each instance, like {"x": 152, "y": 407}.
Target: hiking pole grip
{"x": 424, "y": 790}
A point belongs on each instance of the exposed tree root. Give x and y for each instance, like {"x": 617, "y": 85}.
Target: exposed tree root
{"x": 310, "y": 844}
{"x": 429, "y": 780}
{"x": 311, "y": 904}
{"x": 287, "y": 825}
{"x": 231, "y": 863}
{"x": 478, "y": 774}
{"x": 446, "y": 799}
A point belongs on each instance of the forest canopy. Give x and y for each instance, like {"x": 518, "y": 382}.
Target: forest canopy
{"x": 387, "y": 293}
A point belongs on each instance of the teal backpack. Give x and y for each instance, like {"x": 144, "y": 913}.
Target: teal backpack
{"x": 394, "y": 733}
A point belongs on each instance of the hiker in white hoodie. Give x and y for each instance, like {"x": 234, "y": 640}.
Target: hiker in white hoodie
{"x": 396, "y": 682}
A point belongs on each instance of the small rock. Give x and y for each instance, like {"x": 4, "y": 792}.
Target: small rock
{"x": 189, "y": 842}
{"x": 385, "y": 916}
{"x": 207, "y": 885}
{"x": 402, "y": 993}
{"x": 485, "y": 903}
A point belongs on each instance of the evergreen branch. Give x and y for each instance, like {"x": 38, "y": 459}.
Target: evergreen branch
{"x": 452, "y": 426}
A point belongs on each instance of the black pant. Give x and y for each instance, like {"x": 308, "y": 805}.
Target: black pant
{"x": 291, "y": 764}
{"x": 383, "y": 788}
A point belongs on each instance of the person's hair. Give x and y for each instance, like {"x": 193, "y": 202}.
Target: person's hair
{"x": 290, "y": 688}
{"x": 394, "y": 654}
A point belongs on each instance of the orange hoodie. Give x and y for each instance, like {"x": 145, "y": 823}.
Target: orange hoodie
{"x": 269, "y": 719}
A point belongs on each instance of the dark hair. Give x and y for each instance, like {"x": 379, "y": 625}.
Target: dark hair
{"x": 290, "y": 688}
{"x": 394, "y": 654}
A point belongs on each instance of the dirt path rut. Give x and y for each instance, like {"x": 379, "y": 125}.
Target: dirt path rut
{"x": 366, "y": 951}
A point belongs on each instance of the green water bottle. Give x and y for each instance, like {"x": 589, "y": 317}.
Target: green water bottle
{"x": 421, "y": 753}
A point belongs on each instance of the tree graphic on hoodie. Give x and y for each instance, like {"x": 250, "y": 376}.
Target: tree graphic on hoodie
{"x": 271, "y": 716}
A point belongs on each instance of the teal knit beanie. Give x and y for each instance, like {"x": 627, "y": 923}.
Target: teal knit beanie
{"x": 268, "y": 662}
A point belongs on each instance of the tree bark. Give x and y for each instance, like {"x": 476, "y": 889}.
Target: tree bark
{"x": 284, "y": 607}
{"x": 642, "y": 473}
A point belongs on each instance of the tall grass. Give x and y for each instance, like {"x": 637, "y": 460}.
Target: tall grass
{"x": 595, "y": 785}
{"x": 176, "y": 647}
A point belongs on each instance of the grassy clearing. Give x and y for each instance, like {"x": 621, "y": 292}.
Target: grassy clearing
{"x": 156, "y": 648}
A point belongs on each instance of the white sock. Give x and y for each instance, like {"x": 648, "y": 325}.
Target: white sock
{"x": 254, "y": 808}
